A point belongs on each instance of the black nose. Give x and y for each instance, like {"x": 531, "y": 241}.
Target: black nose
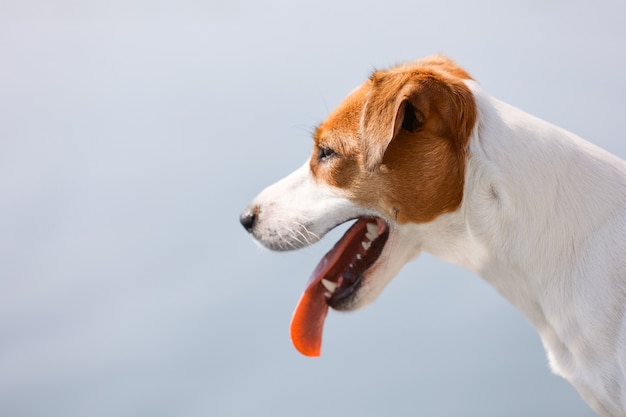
{"x": 247, "y": 219}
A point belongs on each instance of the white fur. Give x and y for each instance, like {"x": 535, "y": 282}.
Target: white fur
{"x": 297, "y": 211}
{"x": 543, "y": 219}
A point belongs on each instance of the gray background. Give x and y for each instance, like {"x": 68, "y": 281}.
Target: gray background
{"x": 133, "y": 132}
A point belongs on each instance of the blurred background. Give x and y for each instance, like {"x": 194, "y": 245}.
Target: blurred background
{"x": 132, "y": 133}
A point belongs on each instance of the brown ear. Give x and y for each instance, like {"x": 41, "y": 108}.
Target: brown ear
{"x": 406, "y": 100}
{"x": 388, "y": 104}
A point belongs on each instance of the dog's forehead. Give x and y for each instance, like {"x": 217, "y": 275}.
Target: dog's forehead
{"x": 344, "y": 120}
{"x": 347, "y": 115}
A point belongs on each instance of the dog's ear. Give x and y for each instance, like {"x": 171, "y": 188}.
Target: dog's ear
{"x": 394, "y": 103}
{"x": 407, "y": 101}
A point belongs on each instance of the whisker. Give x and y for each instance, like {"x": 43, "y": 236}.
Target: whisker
{"x": 305, "y": 232}
{"x": 301, "y": 237}
{"x": 286, "y": 241}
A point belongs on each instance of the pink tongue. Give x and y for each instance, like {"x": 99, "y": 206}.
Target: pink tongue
{"x": 307, "y": 322}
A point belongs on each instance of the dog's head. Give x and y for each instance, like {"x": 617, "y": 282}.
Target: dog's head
{"x": 391, "y": 155}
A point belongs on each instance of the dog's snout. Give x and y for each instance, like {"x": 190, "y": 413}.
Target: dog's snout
{"x": 248, "y": 218}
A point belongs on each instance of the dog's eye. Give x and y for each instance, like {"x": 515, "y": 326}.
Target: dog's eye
{"x": 326, "y": 153}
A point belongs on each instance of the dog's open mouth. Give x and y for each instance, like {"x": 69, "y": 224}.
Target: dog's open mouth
{"x": 335, "y": 281}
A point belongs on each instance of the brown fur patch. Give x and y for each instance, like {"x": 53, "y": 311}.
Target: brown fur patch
{"x": 401, "y": 141}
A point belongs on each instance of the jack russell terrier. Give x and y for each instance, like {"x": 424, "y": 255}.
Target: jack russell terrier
{"x": 425, "y": 160}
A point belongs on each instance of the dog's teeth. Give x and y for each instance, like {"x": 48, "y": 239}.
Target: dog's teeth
{"x": 366, "y": 245}
{"x": 329, "y": 285}
{"x": 372, "y": 228}
{"x": 370, "y": 236}
{"x": 327, "y": 294}
{"x": 359, "y": 256}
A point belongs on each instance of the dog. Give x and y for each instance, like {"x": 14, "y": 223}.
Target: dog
{"x": 423, "y": 159}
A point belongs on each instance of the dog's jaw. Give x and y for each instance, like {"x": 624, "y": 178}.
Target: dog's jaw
{"x": 398, "y": 251}
{"x": 298, "y": 211}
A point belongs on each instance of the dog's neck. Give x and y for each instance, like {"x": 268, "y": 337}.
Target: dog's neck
{"x": 539, "y": 206}
{"x": 534, "y": 196}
